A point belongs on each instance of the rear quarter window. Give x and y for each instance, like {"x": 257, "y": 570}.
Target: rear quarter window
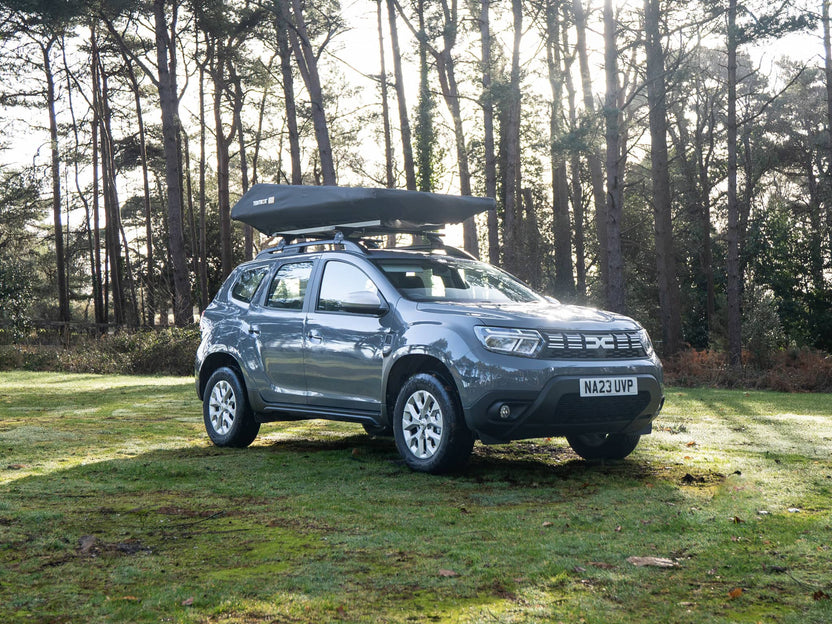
{"x": 247, "y": 283}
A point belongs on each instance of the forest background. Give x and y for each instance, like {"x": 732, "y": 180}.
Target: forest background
{"x": 657, "y": 158}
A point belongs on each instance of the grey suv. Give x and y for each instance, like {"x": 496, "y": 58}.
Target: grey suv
{"x": 422, "y": 343}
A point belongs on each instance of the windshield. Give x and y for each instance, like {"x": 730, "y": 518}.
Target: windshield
{"x": 454, "y": 279}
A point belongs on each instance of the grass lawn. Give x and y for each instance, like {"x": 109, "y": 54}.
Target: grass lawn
{"x": 115, "y": 508}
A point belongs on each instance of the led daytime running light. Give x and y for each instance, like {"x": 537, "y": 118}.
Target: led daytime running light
{"x": 525, "y": 342}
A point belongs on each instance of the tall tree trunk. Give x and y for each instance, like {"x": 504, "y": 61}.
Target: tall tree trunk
{"x": 169, "y": 104}
{"x": 512, "y": 169}
{"x": 98, "y": 291}
{"x": 261, "y": 116}
{"x": 487, "y": 103}
{"x": 63, "y": 290}
{"x": 425, "y": 134}
{"x": 612, "y": 114}
{"x": 284, "y": 49}
{"x": 76, "y": 159}
{"x": 407, "y": 149}
{"x": 445, "y": 66}
{"x": 815, "y": 235}
{"x": 562, "y": 228}
{"x": 669, "y": 306}
{"x": 694, "y": 160}
{"x": 189, "y": 194}
{"x": 248, "y": 231}
{"x": 223, "y": 142}
{"x": 389, "y": 178}
{"x": 149, "y": 271}
{"x": 308, "y": 64}
{"x": 203, "y": 239}
{"x": 596, "y": 174}
{"x": 733, "y": 283}
{"x": 576, "y": 189}
{"x": 827, "y": 66}
{"x": 111, "y": 207}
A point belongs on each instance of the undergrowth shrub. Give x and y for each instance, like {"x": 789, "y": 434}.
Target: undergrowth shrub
{"x": 789, "y": 370}
{"x": 169, "y": 351}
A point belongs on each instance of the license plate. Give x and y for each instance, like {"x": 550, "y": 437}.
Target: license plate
{"x": 608, "y": 386}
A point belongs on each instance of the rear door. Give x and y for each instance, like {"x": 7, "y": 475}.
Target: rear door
{"x": 279, "y": 326}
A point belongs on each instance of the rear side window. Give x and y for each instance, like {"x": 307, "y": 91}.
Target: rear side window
{"x": 246, "y": 285}
{"x": 288, "y": 287}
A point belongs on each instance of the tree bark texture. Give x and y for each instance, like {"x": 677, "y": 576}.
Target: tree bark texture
{"x": 407, "y": 148}
{"x": 285, "y": 52}
{"x": 733, "y": 284}
{"x": 63, "y": 290}
{"x": 389, "y": 178}
{"x": 487, "y": 103}
{"x": 827, "y": 66}
{"x": 562, "y": 228}
{"x": 166, "y": 85}
{"x": 669, "y": 305}
{"x": 593, "y": 157}
{"x": 512, "y": 201}
{"x": 612, "y": 113}
{"x": 308, "y": 65}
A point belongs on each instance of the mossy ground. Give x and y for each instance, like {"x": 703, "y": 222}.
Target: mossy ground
{"x": 114, "y": 508}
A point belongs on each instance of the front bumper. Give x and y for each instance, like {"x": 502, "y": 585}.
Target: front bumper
{"x": 558, "y": 409}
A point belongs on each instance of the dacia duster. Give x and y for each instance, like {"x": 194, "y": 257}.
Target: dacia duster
{"x": 423, "y": 343}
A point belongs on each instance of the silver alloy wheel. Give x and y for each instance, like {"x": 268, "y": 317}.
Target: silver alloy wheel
{"x": 422, "y": 424}
{"x": 222, "y": 407}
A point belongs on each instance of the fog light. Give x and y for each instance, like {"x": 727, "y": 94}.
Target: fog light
{"x": 505, "y": 411}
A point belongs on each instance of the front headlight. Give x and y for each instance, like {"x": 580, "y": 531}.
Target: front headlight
{"x": 525, "y": 342}
{"x": 646, "y": 343}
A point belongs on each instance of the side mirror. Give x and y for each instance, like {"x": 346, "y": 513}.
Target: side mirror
{"x": 364, "y": 302}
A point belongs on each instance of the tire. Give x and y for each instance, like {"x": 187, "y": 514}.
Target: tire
{"x": 378, "y": 431}
{"x": 604, "y": 445}
{"x": 429, "y": 427}
{"x": 225, "y": 410}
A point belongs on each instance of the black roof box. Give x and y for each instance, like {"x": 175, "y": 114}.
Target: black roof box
{"x": 277, "y": 209}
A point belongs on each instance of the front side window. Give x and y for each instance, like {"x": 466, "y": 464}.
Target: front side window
{"x": 454, "y": 279}
{"x": 246, "y": 285}
{"x": 288, "y": 287}
{"x": 342, "y": 284}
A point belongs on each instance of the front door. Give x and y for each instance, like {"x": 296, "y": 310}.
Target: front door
{"x": 344, "y": 345}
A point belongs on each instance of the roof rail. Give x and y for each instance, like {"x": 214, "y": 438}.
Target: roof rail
{"x": 338, "y": 240}
{"x": 453, "y": 252}
{"x": 431, "y": 242}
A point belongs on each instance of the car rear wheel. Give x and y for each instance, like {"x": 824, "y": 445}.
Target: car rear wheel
{"x": 228, "y": 418}
{"x": 429, "y": 427}
{"x": 604, "y": 445}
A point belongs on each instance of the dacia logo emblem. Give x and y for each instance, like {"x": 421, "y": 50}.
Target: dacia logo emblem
{"x": 600, "y": 342}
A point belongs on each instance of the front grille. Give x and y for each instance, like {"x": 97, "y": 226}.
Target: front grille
{"x": 593, "y": 346}
{"x": 575, "y": 409}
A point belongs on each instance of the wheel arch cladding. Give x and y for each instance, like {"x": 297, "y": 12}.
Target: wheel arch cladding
{"x": 410, "y": 365}
{"x": 214, "y": 362}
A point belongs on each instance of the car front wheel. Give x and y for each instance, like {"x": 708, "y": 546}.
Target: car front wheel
{"x": 228, "y": 418}
{"x": 604, "y": 445}
{"x": 429, "y": 427}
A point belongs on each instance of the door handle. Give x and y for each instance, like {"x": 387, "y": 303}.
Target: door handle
{"x": 314, "y": 336}
{"x": 254, "y": 330}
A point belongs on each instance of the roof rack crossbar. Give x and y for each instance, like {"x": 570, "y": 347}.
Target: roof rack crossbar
{"x": 286, "y": 247}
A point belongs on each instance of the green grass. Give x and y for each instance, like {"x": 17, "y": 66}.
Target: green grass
{"x": 114, "y": 508}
